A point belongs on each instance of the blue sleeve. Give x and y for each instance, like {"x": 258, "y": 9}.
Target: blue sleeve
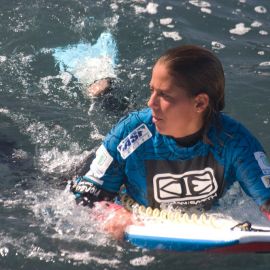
{"x": 251, "y": 167}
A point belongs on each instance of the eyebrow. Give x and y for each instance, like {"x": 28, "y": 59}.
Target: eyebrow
{"x": 161, "y": 90}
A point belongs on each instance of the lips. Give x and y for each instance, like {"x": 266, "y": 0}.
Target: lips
{"x": 155, "y": 119}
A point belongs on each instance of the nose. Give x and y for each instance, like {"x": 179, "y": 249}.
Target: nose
{"x": 153, "y": 100}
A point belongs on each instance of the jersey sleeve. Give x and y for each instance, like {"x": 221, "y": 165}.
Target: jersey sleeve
{"x": 251, "y": 166}
{"x": 107, "y": 170}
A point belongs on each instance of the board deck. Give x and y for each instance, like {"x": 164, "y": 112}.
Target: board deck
{"x": 189, "y": 237}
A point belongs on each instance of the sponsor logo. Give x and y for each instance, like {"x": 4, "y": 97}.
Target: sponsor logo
{"x": 87, "y": 187}
{"x": 137, "y": 137}
{"x": 197, "y": 185}
{"x": 266, "y": 180}
{"x": 100, "y": 164}
{"x": 263, "y": 162}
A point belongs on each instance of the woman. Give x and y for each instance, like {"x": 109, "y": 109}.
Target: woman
{"x": 182, "y": 150}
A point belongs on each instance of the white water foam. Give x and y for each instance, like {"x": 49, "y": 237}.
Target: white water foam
{"x": 173, "y": 35}
{"x": 150, "y": 8}
{"x": 2, "y": 58}
{"x": 236, "y": 205}
{"x": 256, "y": 24}
{"x": 240, "y": 29}
{"x": 263, "y": 32}
{"x": 264, "y": 64}
{"x": 217, "y": 45}
{"x": 260, "y": 9}
{"x": 142, "y": 261}
{"x": 56, "y": 161}
{"x": 165, "y": 21}
{"x": 199, "y": 3}
{"x": 203, "y": 5}
{"x": 206, "y": 10}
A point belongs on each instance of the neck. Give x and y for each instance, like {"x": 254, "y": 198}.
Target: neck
{"x": 191, "y": 139}
{"x": 193, "y": 128}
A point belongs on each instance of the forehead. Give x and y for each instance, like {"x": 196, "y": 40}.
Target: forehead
{"x": 162, "y": 78}
{"x": 160, "y": 75}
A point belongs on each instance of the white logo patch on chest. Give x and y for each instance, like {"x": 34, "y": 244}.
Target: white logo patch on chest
{"x": 197, "y": 185}
{"x": 137, "y": 137}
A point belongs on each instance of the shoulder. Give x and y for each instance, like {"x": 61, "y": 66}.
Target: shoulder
{"x": 236, "y": 135}
{"x": 136, "y": 125}
{"x": 134, "y": 120}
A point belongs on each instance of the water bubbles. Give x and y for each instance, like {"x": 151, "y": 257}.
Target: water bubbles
{"x": 173, "y": 35}
{"x": 263, "y": 32}
{"x": 260, "y": 9}
{"x": 151, "y": 25}
{"x": 65, "y": 77}
{"x": 4, "y": 111}
{"x": 203, "y": 5}
{"x": 264, "y": 64}
{"x": 199, "y": 3}
{"x": 217, "y": 45}
{"x": 19, "y": 154}
{"x": 57, "y": 161}
{"x": 151, "y": 8}
{"x": 240, "y": 29}
{"x": 206, "y": 10}
{"x": 165, "y": 21}
{"x": 2, "y": 59}
{"x": 4, "y": 251}
{"x": 256, "y": 24}
{"x": 142, "y": 261}
{"x": 266, "y": 121}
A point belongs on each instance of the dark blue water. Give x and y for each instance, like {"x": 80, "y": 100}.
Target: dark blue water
{"x": 50, "y": 128}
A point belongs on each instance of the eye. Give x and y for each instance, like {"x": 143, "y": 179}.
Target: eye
{"x": 164, "y": 95}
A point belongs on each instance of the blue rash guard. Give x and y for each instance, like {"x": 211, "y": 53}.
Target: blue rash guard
{"x": 155, "y": 169}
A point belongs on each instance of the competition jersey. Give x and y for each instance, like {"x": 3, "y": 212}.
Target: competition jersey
{"x": 156, "y": 170}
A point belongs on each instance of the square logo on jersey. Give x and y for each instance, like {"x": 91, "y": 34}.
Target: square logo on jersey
{"x": 137, "y": 137}
{"x": 197, "y": 185}
{"x": 100, "y": 164}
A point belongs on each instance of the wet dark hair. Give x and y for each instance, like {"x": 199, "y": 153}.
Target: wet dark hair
{"x": 197, "y": 70}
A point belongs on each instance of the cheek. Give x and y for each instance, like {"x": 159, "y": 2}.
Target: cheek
{"x": 179, "y": 111}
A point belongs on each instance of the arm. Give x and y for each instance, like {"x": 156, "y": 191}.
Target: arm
{"x": 102, "y": 183}
{"x": 252, "y": 170}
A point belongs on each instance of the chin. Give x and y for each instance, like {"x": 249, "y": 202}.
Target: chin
{"x": 162, "y": 131}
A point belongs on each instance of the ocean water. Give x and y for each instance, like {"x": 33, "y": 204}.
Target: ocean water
{"x": 50, "y": 128}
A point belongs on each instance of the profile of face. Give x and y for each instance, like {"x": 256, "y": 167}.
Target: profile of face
{"x": 174, "y": 112}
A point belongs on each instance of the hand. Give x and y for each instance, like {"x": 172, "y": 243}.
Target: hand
{"x": 114, "y": 218}
{"x": 265, "y": 208}
{"x": 87, "y": 193}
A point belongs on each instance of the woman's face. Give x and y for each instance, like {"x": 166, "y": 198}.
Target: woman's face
{"x": 174, "y": 112}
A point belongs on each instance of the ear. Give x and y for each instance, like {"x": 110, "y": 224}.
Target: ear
{"x": 201, "y": 102}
